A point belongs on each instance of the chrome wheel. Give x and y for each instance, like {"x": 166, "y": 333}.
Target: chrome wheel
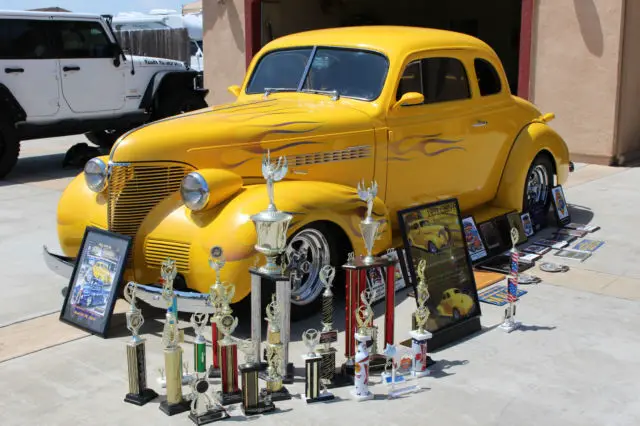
{"x": 308, "y": 251}
{"x": 537, "y": 185}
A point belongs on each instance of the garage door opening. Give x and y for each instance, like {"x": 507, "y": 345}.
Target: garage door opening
{"x": 496, "y": 22}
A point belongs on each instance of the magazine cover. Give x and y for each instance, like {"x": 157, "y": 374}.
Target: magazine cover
{"x": 474, "y": 242}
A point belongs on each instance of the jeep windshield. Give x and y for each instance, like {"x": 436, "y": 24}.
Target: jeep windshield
{"x": 352, "y": 73}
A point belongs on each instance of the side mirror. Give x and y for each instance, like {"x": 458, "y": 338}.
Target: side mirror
{"x": 410, "y": 98}
{"x": 234, "y": 90}
{"x": 115, "y": 52}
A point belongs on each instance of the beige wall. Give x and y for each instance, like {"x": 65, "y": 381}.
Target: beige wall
{"x": 224, "y": 47}
{"x": 574, "y": 73}
{"x": 628, "y": 134}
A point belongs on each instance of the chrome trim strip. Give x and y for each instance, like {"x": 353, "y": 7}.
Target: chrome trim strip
{"x": 59, "y": 264}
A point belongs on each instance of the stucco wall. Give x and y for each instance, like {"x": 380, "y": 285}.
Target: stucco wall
{"x": 575, "y": 68}
{"x": 628, "y": 136}
{"x": 224, "y": 47}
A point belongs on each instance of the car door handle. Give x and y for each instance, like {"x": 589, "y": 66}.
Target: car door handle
{"x": 12, "y": 70}
{"x": 479, "y": 123}
{"x": 73, "y": 68}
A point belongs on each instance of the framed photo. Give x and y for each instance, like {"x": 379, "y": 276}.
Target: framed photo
{"x": 516, "y": 222}
{"x": 581, "y": 227}
{"x": 434, "y": 232}
{"x": 588, "y": 245}
{"x": 527, "y": 224}
{"x": 573, "y": 254}
{"x": 552, "y": 243}
{"x": 572, "y": 232}
{"x": 94, "y": 282}
{"x": 537, "y": 249}
{"x": 475, "y": 245}
{"x": 502, "y": 264}
{"x": 491, "y": 236}
{"x": 562, "y": 210}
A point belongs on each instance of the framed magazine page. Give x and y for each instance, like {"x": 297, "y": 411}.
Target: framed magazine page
{"x": 561, "y": 208}
{"x": 91, "y": 294}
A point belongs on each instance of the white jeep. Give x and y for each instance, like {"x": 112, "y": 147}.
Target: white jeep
{"x": 65, "y": 73}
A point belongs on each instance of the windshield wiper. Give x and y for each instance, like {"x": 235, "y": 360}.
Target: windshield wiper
{"x": 335, "y": 95}
{"x": 270, "y": 90}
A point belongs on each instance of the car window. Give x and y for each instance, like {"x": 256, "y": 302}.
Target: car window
{"x": 444, "y": 80}
{"x": 24, "y": 39}
{"x": 80, "y": 39}
{"x": 488, "y": 78}
{"x": 411, "y": 80}
{"x": 281, "y": 69}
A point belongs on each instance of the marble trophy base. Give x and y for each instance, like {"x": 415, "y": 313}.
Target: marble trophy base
{"x": 280, "y": 395}
{"x": 402, "y": 391}
{"x": 360, "y": 398}
{"x": 209, "y": 417}
{"x": 230, "y": 398}
{"x": 323, "y": 397}
{"x": 509, "y": 325}
{"x": 261, "y": 408}
{"x": 173, "y": 409}
{"x": 213, "y": 373}
{"x": 142, "y": 398}
{"x": 287, "y": 379}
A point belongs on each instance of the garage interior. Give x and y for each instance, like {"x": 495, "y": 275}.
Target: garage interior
{"x": 496, "y": 22}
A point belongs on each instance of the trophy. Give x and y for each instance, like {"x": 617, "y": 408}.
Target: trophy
{"x": 175, "y": 403}
{"x": 138, "y": 394}
{"x": 204, "y": 408}
{"x": 228, "y": 355}
{"x": 253, "y": 401}
{"x": 361, "y": 390}
{"x": 368, "y": 226}
{"x": 275, "y": 388}
{"x": 313, "y": 378}
{"x": 420, "y": 335}
{"x": 220, "y": 296}
{"x": 392, "y": 378}
{"x": 364, "y": 318}
{"x": 329, "y": 335}
{"x": 509, "y": 324}
{"x": 199, "y": 322}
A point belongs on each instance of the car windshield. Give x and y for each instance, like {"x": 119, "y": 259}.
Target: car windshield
{"x": 351, "y": 73}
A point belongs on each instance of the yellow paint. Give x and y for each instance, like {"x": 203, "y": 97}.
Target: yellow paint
{"x": 416, "y": 153}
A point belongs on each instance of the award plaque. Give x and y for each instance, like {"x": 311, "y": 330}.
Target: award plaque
{"x": 138, "y": 394}
{"x": 313, "y": 378}
{"x": 392, "y": 378}
{"x": 228, "y": 355}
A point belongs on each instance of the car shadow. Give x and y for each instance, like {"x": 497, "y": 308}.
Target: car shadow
{"x": 38, "y": 169}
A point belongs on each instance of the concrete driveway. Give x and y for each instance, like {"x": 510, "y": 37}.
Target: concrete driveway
{"x": 574, "y": 362}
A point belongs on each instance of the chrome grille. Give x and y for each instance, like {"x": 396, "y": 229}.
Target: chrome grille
{"x": 156, "y": 251}
{"x": 135, "y": 189}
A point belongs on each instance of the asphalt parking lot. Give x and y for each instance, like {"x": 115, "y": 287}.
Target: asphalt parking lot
{"x": 574, "y": 361}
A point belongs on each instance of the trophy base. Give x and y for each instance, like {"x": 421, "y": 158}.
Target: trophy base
{"x": 214, "y": 373}
{"x": 261, "y": 408}
{"x": 340, "y": 380}
{"x": 398, "y": 392}
{"x": 230, "y": 398}
{"x": 326, "y": 396}
{"x": 173, "y": 409}
{"x": 387, "y": 379}
{"x": 377, "y": 363}
{"x": 348, "y": 370}
{"x": 418, "y": 374}
{"x": 287, "y": 379}
{"x": 366, "y": 397}
{"x": 280, "y": 395}
{"x": 509, "y": 326}
{"x": 142, "y": 398}
{"x": 209, "y": 417}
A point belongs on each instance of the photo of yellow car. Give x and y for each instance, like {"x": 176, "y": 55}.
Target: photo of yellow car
{"x": 455, "y": 304}
{"x": 432, "y": 238}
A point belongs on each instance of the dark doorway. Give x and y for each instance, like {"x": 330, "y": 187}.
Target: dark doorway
{"x": 497, "y": 22}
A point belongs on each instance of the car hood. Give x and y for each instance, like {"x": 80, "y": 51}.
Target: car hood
{"x": 232, "y": 134}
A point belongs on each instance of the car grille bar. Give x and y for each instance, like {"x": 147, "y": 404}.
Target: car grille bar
{"x": 135, "y": 189}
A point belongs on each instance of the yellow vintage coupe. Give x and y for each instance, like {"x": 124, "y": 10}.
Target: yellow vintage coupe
{"x": 426, "y": 113}
{"x": 432, "y": 238}
{"x": 455, "y": 304}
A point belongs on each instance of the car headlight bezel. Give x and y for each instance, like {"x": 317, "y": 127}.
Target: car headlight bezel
{"x": 192, "y": 184}
{"x": 96, "y": 174}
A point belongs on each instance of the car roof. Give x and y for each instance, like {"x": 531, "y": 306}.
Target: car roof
{"x": 382, "y": 38}
{"x": 44, "y": 14}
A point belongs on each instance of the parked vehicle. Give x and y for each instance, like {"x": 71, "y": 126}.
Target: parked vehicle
{"x": 426, "y": 113}
{"x": 64, "y": 73}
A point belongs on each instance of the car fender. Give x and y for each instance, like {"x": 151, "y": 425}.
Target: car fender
{"x": 229, "y": 226}
{"x": 10, "y": 108}
{"x": 165, "y": 79}
{"x": 533, "y": 139}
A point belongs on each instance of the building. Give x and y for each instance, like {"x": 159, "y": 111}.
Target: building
{"x": 576, "y": 58}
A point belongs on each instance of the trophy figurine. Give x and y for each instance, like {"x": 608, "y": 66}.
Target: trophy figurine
{"x": 138, "y": 394}
{"x": 313, "y": 378}
{"x": 361, "y": 390}
{"x": 204, "y": 409}
{"x": 228, "y": 355}
{"x": 392, "y": 379}
{"x": 253, "y": 401}
{"x": 275, "y": 388}
{"x": 364, "y": 318}
{"x": 175, "y": 403}
{"x": 509, "y": 324}
{"x": 368, "y": 226}
{"x": 220, "y": 296}
{"x": 199, "y": 322}
{"x": 420, "y": 335}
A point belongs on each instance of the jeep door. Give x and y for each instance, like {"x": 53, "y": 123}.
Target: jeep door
{"x": 28, "y": 67}
{"x": 90, "y": 80}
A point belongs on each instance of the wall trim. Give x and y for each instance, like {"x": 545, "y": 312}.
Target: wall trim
{"x": 526, "y": 39}
{"x": 252, "y": 28}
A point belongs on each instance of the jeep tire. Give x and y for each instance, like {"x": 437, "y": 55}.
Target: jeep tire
{"x": 9, "y": 148}
{"x": 178, "y": 102}
{"x": 104, "y": 138}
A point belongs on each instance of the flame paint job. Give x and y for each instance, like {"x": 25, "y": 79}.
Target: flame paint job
{"x": 416, "y": 154}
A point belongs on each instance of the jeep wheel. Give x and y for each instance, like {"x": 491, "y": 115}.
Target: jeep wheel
{"x": 104, "y": 138}
{"x": 178, "y": 103}
{"x": 9, "y": 149}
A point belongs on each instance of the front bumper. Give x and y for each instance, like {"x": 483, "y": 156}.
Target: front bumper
{"x": 188, "y": 301}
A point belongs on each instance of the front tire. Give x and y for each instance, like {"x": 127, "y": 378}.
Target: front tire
{"x": 178, "y": 102}
{"x": 9, "y": 149}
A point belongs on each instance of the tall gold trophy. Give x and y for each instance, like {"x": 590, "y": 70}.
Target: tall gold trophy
{"x": 275, "y": 348}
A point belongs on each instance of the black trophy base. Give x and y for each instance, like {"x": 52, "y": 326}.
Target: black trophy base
{"x": 280, "y": 395}
{"x": 214, "y": 373}
{"x": 230, "y": 398}
{"x": 142, "y": 398}
{"x": 339, "y": 380}
{"x": 209, "y": 417}
{"x": 173, "y": 409}
{"x": 287, "y": 379}
{"x": 261, "y": 408}
{"x": 348, "y": 370}
{"x": 322, "y": 398}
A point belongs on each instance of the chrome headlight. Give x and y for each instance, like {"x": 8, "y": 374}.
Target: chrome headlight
{"x": 194, "y": 191}
{"x": 95, "y": 174}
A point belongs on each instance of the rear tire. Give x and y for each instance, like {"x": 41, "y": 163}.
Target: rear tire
{"x": 537, "y": 186}
{"x": 9, "y": 149}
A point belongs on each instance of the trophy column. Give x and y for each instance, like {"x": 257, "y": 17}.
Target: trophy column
{"x": 175, "y": 402}
{"x": 361, "y": 390}
{"x": 509, "y": 324}
{"x": 228, "y": 355}
{"x": 420, "y": 335}
{"x": 253, "y": 401}
{"x": 138, "y": 394}
{"x": 313, "y": 377}
{"x": 273, "y": 376}
{"x": 220, "y": 297}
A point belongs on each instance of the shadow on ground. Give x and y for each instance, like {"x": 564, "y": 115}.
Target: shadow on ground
{"x": 39, "y": 169}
